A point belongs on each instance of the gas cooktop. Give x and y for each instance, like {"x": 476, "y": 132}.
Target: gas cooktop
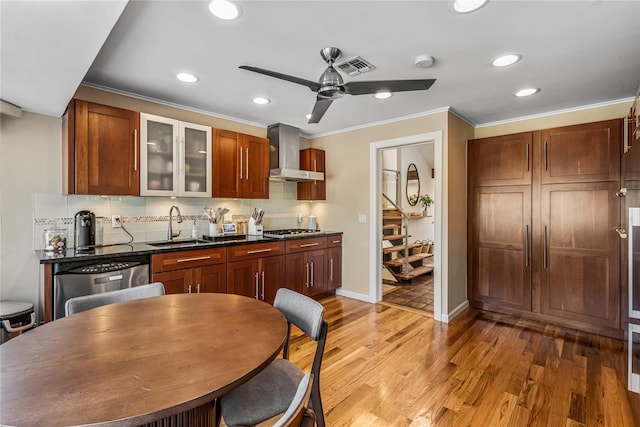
{"x": 292, "y": 232}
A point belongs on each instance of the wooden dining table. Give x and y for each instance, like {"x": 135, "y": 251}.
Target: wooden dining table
{"x": 157, "y": 361}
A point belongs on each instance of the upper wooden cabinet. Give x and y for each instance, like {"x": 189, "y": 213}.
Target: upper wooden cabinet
{"x": 240, "y": 165}
{"x": 502, "y": 160}
{"x": 312, "y": 159}
{"x": 175, "y": 157}
{"x": 100, "y": 153}
{"x": 581, "y": 153}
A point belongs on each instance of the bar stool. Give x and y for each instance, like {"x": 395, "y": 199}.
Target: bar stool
{"x": 15, "y": 317}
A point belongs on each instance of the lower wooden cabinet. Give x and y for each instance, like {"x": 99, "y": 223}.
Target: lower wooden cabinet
{"x": 500, "y": 246}
{"x": 194, "y": 271}
{"x": 580, "y": 278}
{"x": 256, "y": 270}
{"x": 307, "y": 266}
{"x": 334, "y": 260}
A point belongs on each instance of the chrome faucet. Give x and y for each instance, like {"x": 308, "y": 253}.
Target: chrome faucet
{"x": 171, "y": 234}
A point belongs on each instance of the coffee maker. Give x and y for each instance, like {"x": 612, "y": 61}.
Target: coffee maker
{"x": 85, "y": 231}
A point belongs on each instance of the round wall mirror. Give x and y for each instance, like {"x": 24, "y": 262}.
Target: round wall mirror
{"x": 413, "y": 185}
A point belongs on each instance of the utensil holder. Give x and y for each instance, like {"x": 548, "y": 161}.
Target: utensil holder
{"x": 254, "y": 229}
{"x": 213, "y": 229}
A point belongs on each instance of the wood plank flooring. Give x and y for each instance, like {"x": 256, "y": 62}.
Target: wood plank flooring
{"x": 389, "y": 367}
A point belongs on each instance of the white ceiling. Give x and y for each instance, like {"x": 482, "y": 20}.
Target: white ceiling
{"x": 578, "y": 52}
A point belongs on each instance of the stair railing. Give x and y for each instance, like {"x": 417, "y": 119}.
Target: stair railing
{"x": 405, "y": 225}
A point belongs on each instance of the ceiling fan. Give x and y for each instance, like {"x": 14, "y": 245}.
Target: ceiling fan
{"x": 331, "y": 85}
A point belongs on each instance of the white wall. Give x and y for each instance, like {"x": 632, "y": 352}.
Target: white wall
{"x": 30, "y": 161}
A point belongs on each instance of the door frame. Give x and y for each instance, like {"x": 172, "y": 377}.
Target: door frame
{"x": 375, "y": 213}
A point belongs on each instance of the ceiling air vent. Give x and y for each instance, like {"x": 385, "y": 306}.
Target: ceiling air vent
{"x": 355, "y": 66}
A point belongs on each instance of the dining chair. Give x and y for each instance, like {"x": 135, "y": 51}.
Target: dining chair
{"x": 273, "y": 389}
{"x": 86, "y": 302}
{"x": 298, "y": 414}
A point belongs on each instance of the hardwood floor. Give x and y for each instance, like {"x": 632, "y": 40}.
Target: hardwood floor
{"x": 389, "y": 367}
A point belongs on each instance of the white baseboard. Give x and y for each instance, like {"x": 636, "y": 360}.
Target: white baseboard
{"x": 455, "y": 312}
{"x": 354, "y": 295}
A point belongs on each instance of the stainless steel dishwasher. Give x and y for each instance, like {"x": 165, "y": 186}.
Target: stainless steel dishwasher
{"x": 73, "y": 280}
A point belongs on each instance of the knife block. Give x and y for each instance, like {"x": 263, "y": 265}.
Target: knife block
{"x": 254, "y": 229}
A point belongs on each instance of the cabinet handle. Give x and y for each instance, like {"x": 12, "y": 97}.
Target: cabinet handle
{"x": 309, "y": 244}
{"x": 331, "y": 270}
{"x": 257, "y": 285}
{"x": 312, "y": 274}
{"x": 135, "y": 149}
{"x": 306, "y": 267}
{"x": 335, "y": 241}
{"x": 545, "y": 155}
{"x": 315, "y": 169}
{"x": 544, "y": 248}
{"x": 198, "y": 288}
{"x": 527, "y": 157}
{"x": 259, "y": 251}
{"x": 526, "y": 245}
{"x": 189, "y": 289}
{"x": 622, "y": 192}
{"x": 184, "y": 157}
{"x": 246, "y": 172}
{"x": 262, "y": 274}
{"x": 200, "y": 258}
{"x": 240, "y": 162}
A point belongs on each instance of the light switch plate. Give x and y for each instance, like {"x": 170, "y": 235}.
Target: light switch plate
{"x": 362, "y": 218}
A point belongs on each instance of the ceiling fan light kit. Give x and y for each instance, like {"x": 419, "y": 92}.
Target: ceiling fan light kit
{"x": 331, "y": 85}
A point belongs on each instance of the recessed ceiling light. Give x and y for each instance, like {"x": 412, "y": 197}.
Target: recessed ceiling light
{"x": 261, "y": 101}
{"x": 383, "y": 95}
{"x": 527, "y": 91}
{"x": 187, "y": 77}
{"x": 506, "y": 60}
{"x": 466, "y": 6}
{"x": 308, "y": 116}
{"x": 224, "y": 9}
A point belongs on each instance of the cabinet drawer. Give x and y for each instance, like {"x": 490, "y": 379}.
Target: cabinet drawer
{"x": 333, "y": 241}
{"x": 187, "y": 259}
{"x": 256, "y": 250}
{"x": 302, "y": 245}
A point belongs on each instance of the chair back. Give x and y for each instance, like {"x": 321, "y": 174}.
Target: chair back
{"x": 298, "y": 414}
{"x": 86, "y": 302}
{"x": 300, "y": 310}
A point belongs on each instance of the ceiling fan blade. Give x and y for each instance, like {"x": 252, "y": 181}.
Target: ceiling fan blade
{"x": 321, "y": 106}
{"x": 314, "y": 86}
{"x": 364, "y": 88}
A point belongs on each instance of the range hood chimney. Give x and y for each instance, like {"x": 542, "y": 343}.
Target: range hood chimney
{"x": 284, "y": 155}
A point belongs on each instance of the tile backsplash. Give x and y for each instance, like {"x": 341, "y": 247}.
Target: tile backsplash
{"x": 146, "y": 218}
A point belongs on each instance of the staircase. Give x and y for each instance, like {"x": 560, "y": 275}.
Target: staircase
{"x": 397, "y": 252}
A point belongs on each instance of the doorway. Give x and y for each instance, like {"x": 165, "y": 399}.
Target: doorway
{"x": 377, "y": 184}
{"x": 408, "y": 232}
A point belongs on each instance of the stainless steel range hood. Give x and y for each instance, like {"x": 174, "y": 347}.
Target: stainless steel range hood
{"x": 284, "y": 155}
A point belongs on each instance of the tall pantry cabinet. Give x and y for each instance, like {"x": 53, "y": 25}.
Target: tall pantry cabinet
{"x": 542, "y": 230}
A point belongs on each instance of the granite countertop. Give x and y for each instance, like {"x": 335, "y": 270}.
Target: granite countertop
{"x": 146, "y": 248}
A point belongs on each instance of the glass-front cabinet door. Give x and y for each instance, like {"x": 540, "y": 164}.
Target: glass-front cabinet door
{"x": 158, "y": 155}
{"x": 196, "y": 161}
{"x": 175, "y": 158}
